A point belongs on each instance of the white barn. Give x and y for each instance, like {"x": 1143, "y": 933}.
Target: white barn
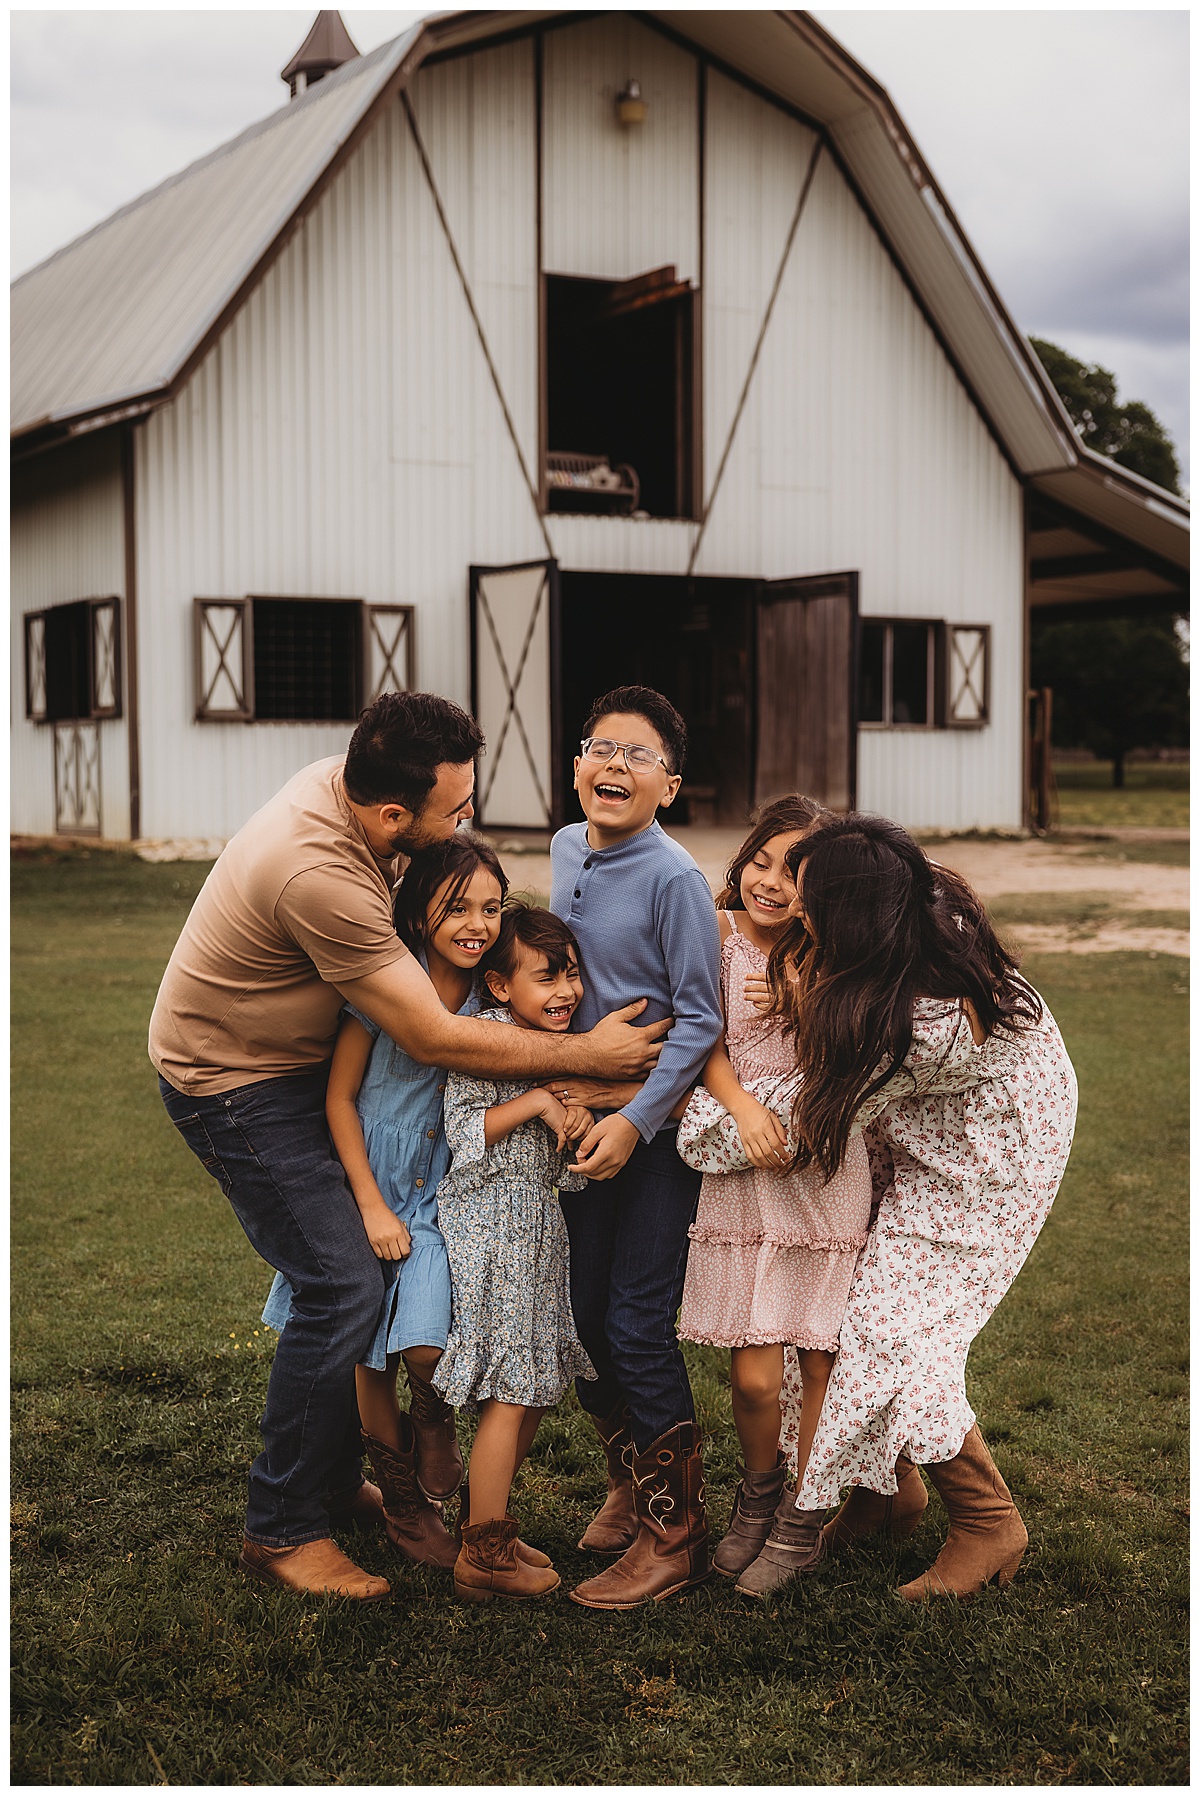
{"x": 530, "y": 353}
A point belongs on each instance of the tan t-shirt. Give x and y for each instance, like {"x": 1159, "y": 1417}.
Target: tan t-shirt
{"x": 297, "y": 903}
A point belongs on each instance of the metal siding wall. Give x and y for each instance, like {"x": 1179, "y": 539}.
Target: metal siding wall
{"x": 858, "y": 449}
{"x": 344, "y": 438}
{"x": 67, "y": 542}
{"x": 619, "y": 201}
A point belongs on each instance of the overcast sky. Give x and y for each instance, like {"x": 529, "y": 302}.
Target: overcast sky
{"x": 1060, "y": 138}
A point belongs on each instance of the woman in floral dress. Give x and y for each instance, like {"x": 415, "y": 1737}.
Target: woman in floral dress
{"x": 909, "y": 1016}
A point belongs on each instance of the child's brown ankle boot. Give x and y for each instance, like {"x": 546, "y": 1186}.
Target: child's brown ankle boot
{"x": 488, "y": 1565}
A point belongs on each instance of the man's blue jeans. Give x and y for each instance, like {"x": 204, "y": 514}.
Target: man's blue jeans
{"x": 629, "y": 1246}
{"x": 268, "y": 1148}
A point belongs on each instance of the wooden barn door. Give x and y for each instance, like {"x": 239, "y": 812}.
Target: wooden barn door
{"x": 514, "y": 693}
{"x": 806, "y": 735}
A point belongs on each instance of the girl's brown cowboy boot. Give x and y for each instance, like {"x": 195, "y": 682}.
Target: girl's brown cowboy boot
{"x": 412, "y": 1522}
{"x": 670, "y": 1551}
{"x": 614, "y": 1527}
{"x": 866, "y": 1512}
{"x": 987, "y": 1536}
{"x": 531, "y": 1555}
{"x": 489, "y": 1565}
{"x": 753, "y": 1512}
{"x": 439, "y": 1461}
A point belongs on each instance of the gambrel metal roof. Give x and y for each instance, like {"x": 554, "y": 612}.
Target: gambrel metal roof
{"x": 113, "y": 324}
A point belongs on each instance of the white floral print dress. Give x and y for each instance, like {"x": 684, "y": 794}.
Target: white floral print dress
{"x": 968, "y": 1147}
{"x": 512, "y": 1335}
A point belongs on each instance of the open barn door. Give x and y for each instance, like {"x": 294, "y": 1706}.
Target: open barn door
{"x": 806, "y": 736}
{"x": 514, "y": 694}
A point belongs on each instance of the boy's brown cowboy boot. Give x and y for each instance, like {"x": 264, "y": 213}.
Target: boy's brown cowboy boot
{"x": 317, "y": 1568}
{"x": 794, "y": 1545}
{"x": 531, "y": 1555}
{"x": 987, "y": 1536}
{"x": 866, "y": 1512}
{"x": 439, "y": 1461}
{"x": 614, "y": 1527}
{"x": 670, "y": 1550}
{"x": 753, "y": 1512}
{"x": 489, "y": 1565}
{"x": 412, "y": 1522}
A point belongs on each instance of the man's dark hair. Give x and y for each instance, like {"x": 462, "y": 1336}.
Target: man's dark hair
{"x": 401, "y": 741}
{"x": 643, "y": 701}
{"x": 529, "y": 926}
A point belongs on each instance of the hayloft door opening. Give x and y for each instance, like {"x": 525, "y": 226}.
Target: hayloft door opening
{"x": 514, "y": 694}
{"x": 806, "y": 736}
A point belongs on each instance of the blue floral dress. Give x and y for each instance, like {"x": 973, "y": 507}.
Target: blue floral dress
{"x": 399, "y": 1104}
{"x": 512, "y": 1336}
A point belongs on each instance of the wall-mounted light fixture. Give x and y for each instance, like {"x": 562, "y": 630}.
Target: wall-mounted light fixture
{"x": 631, "y": 108}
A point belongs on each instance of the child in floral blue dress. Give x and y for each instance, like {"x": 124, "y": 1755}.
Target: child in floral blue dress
{"x": 513, "y": 1349}
{"x": 385, "y": 1116}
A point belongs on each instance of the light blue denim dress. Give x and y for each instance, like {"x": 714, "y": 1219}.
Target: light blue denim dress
{"x": 399, "y": 1104}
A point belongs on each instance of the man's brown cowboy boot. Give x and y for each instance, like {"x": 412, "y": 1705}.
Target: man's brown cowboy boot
{"x": 489, "y": 1565}
{"x": 614, "y": 1527}
{"x": 439, "y": 1461}
{"x": 316, "y": 1568}
{"x": 866, "y": 1512}
{"x": 670, "y": 1550}
{"x": 412, "y": 1522}
{"x": 987, "y": 1536}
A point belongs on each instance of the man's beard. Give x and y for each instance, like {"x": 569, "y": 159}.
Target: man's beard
{"x": 410, "y": 840}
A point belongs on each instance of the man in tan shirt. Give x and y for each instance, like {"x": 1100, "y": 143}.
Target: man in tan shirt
{"x": 294, "y": 919}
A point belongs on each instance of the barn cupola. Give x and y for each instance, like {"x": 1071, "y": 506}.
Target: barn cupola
{"x": 327, "y": 46}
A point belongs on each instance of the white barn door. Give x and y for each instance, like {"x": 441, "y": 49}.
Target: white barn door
{"x": 514, "y": 691}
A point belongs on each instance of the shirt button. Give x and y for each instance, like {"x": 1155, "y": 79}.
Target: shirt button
{"x": 419, "y": 1183}
{"x": 578, "y": 893}
{"x": 429, "y": 1134}
{"x": 587, "y": 864}
{"x": 441, "y": 1088}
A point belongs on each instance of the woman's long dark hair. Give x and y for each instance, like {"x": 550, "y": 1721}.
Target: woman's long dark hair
{"x": 458, "y": 859}
{"x": 882, "y": 927}
{"x": 783, "y": 817}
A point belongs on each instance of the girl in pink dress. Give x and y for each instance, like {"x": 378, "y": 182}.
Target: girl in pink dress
{"x": 772, "y": 1252}
{"x": 908, "y": 1015}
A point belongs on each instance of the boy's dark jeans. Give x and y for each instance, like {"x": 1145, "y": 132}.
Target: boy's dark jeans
{"x": 629, "y": 1246}
{"x": 268, "y": 1148}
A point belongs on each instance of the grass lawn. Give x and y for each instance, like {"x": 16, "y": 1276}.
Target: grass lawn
{"x": 1154, "y": 796}
{"x": 139, "y": 1367}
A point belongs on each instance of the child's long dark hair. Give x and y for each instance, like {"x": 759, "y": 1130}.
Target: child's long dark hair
{"x": 458, "y": 859}
{"x": 784, "y": 817}
{"x": 887, "y": 927}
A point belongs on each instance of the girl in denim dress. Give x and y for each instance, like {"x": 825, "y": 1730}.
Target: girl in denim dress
{"x": 385, "y": 1116}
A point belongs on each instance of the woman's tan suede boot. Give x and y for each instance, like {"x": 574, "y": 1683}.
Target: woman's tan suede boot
{"x": 866, "y": 1512}
{"x": 753, "y": 1512}
{"x": 614, "y": 1527}
{"x": 987, "y": 1536}
{"x": 412, "y": 1522}
{"x": 439, "y": 1460}
{"x": 489, "y": 1565}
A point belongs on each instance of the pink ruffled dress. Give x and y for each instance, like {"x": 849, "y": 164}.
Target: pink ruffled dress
{"x": 771, "y": 1255}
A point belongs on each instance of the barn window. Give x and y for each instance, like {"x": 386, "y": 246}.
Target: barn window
{"x": 620, "y": 395}
{"x": 73, "y": 661}
{"x": 297, "y": 660}
{"x": 896, "y": 673}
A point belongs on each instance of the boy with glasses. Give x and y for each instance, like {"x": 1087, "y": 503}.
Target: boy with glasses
{"x": 646, "y": 924}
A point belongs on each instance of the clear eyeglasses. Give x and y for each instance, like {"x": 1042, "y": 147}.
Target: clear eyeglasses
{"x": 638, "y": 758}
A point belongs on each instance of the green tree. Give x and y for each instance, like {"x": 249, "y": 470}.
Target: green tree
{"x": 1129, "y": 434}
{"x": 1118, "y": 684}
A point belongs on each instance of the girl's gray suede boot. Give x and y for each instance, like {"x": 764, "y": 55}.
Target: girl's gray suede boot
{"x": 795, "y": 1544}
{"x": 753, "y": 1512}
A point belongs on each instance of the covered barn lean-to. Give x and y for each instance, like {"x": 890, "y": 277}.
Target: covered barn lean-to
{"x": 531, "y": 353}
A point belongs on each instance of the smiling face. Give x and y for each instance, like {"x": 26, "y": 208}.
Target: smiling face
{"x": 766, "y": 887}
{"x": 619, "y": 801}
{"x": 461, "y": 932}
{"x": 536, "y": 997}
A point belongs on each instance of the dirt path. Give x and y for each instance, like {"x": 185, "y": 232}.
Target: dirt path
{"x": 1010, "y": 870}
